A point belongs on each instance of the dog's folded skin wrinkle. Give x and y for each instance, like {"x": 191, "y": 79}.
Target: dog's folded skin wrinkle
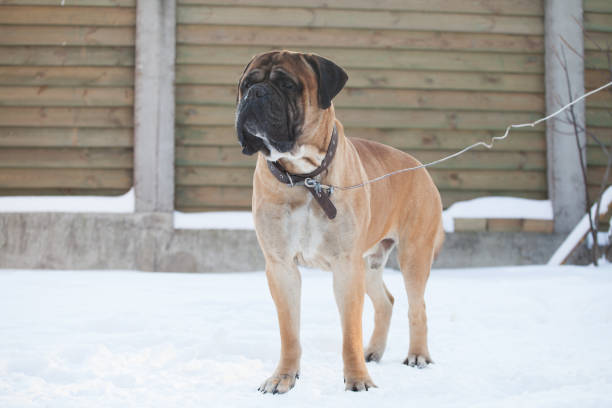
{"x": 285, "y": 114}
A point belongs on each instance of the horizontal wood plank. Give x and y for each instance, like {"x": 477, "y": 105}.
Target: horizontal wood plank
{"x": 90, "y": 36}
{"x": 233, "y": 157}
{"x": 508, "y": 7}
{"x": 65, "y": 178}
{"x": 226, "y": 196}
{"x": 603, "y": 134}
{"x": 65, "y": 137}
{"x": 355, "y": 38}
{"x": 448, "y": 197}
{"x": 77, "y": 3}
{"x": 595, "y": 60}
{"x": 597, "y": 6}
{"x": 595, "y": 78}
{"x": 445, "y": 179}
{"x": 375, "y": 118}
{"x": 59, "y": 158}
{"x": 594, "y": 40}
{"x": 600, "y": 100}
{"x": 67, "y": 56}
{"x": 63, "y": 191}
{"x": 65, "y": 96}
{"x": 62, "y": 117}
{"x": 212, "y": 196}
{"x": 67, "y": 76}
{"x": 214, "y": 176}
{"x": 601, "y": 22}
{"x": 596, "y": 117}
{"x": 395, "y": 79}
{"x": 407, "y": 139}
{"x": 68, "y": 15}
{"x": 370, "y": 19}
{"x": 375, "y": 58}
{"x": 384, "y": 98}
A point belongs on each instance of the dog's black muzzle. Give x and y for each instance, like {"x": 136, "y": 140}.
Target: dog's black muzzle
{"x": 262, "y": 114}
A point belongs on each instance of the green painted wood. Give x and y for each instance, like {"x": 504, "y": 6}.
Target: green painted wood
{"x": 598, "y": 118}
{"x": 66, "y": 35}
{"x": 233, "y": 157}
{"x": 67, "y": 15}
{"x": 65, "y": 178}
{"x": 598, "y": 22}
{"x": 417, "y": 139}
{"x": 66, "y": 117}
{"x": 299, "y": 37}
{"x": 69, "y": 3}
{"x": 376, "y": 118}
{"x": 384, "y": 98}
{"x": 200, "y": 74}
{"x": 67, "y": 76}
{"x": 62, "y": 158}
{"x": 63, "y": 191}
{"x": 67, "y": 56}
{"x": 597, "y": 6}
{"x": 65, "y": 96}
{"x": 374, "y": 58}
{"x": 66, "y": 137}
{"x": 507, "y": 7}
{"x": 370, "y": 19}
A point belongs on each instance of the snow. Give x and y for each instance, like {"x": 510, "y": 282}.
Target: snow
{"x": 72, "y": 204}
{"x": 575, "y": 237}
{"x": 241, "y": 220}
{"x": 497, "y": 207}
{"x": 532, "y": 336}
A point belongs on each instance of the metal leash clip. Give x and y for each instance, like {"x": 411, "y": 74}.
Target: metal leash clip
{"x": 317, "y": 186}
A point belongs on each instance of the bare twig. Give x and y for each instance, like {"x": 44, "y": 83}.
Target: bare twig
{"x": 594, "y": 224}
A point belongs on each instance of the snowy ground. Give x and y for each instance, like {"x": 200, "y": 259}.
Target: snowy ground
{"x": 503, "y": 337}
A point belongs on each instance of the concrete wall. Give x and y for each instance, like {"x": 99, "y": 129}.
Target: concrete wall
{"x": 148, "y": 242}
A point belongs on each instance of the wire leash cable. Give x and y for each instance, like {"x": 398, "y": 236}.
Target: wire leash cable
{"x": 489, "y": 145}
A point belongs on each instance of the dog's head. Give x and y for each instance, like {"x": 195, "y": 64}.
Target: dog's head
{"x": 280, "y": 95}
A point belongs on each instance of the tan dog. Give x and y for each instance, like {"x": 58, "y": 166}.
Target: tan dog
{"x": 285, "y": 113}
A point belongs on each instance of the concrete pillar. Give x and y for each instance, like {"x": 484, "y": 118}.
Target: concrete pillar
{"x": 154, "y": 106}
{"x": 563, "y": 29}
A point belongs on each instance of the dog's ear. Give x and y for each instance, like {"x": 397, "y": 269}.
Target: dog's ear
{"x": 242, "y": 76}
{"x": 331, "y": 78}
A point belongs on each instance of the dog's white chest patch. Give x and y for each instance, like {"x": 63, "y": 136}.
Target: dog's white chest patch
{"x": 306, "y": 230}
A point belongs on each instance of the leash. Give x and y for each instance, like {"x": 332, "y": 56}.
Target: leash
{"x": 310, "y": 182}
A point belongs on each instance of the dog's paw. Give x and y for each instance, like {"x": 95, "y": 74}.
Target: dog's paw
{"x": 418, "y": 360}
{"x": 359, "y": 384}
{"x": 279, "y": 383}
{"x": 373, "y": 354}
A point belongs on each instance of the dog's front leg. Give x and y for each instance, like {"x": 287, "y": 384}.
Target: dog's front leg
{"x": 285, "y": 286}
{"x": 349, "y": 289}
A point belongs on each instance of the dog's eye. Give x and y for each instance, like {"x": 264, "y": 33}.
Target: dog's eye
{"x": 246, "y": 84}
{"x": 288, "y": 85}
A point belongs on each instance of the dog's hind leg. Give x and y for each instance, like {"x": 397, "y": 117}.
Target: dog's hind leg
{"x": 381, "y": 299}
{"x": 415, "y": 263}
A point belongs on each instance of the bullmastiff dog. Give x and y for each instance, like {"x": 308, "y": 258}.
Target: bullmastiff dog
{"x": 285, "y": 115}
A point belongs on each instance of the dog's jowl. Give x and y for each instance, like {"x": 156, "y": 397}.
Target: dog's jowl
{"x": 285, "y": 115}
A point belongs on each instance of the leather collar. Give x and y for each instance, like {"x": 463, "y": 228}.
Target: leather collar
{"x": 320, "y": 194}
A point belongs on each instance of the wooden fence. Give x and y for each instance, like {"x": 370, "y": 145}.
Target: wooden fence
{"x": 426, "y": 76}
{"x": 598, "y": 47}
{"x": 66, "y": 96}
